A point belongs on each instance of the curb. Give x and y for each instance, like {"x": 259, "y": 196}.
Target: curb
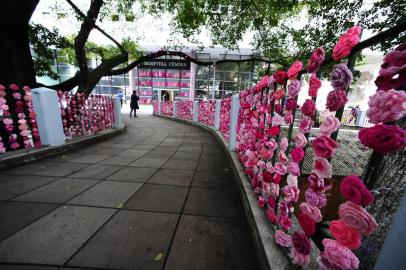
{"x": 26, "y": 156}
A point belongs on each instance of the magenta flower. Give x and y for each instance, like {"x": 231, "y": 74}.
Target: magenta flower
{"x": 383, "y": 138}
{"x": 339, "y": 255}
{"x": 294, "y": 70}
{"x": 386, "y": 106}
{"x": 346, "y": 42}
{"x": 316, "y": 60}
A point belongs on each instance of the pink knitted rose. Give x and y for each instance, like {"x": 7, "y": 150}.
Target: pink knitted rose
{"x": 324, "y": 146}
{"x": 339, "y": 255}
{"x": 288, "y": 118}
{"x": 386, "y": 106}
{"x": 270, "y": 214}
{"x": 293, "y": 168}
{"x": 280, "y": 168}
{"x": 316, "y": 60}
{"x": 316, "y": 183}
{"x": 300, "y": 140}
{"x": 353, "y": 189}
{"x": 321, "y": 167}
{"x": 356, "y": 217}
{"x": 314, "y": 85}
{"x": 301, "y": 243}
{"x": 393, "y": 71}
{"x": 317, "y": 199}
{"x": 13, "y": 87}
{"x": 341, "y": 77}
{"x": 329, "y": 125}
{"x": 336, "y": 99}
{"x": 285, "y": 222}
{"x": 291, "y": 104}
{"x": 283, "y": 144}
{"x": 346, "y": 42}
{"x": 305, "y": 125}
{"x": 294, "y": 70}
{"x": 308, "y": 107}
{"x": 283, "y": 239}
{"x": 294, "y": 88}
{"x": 297, "y": 154}
{"x": 291, "y": 180}
{"x": 312, "y": 211}
{"x": 383, "y": 138}
{"x": 299, "y": 258}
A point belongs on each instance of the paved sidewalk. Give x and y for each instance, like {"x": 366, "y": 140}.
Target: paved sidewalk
{"x": 160, "y": 196}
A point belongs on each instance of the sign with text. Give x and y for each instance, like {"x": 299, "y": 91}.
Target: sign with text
{"x": 166, "y": 64}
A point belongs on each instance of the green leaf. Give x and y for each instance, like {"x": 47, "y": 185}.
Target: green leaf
{"x": 158, "y": 257}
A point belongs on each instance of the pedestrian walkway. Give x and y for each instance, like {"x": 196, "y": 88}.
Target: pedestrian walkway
{"x": 160, "y": 196}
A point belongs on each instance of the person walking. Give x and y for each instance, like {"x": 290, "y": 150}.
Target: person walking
{"x": 134, "y": 103}
{"x": 120, "y": 96}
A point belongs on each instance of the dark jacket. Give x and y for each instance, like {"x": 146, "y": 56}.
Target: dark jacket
{"x": 134, "y": 102}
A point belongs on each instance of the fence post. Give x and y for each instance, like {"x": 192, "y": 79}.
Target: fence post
{"x": 159, "y": 107}
{"x": 361, "y": 115}
{"x": 117, "y": 113}
{"x": 195, "y": 110}
{"x": 45, "y": 102}
{"x": 217, "y": 114}
{"x": 235, "y": 107}
{"x": 175, "y": 105}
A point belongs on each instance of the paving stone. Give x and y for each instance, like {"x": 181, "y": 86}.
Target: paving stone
{"x": 172, "y": 177}
{"x": 118, "y": 160}
{"x": 185, "y": 156}
{"x": 16, "y": 215}
{"x": 60, "y": 169}
{"x": 213, "y": 202}
{"x": 88, "y": 158}
{"x": 177, "y": 164}
{"x": 160, "y": 198}
{"x": 26, "y": 267}
{"x": 134, "y": 153}
{"x": 96, "y": 172}
{"x": 5, "y": 177}
{"x": 21, "y": 184}
{"x": 130, "y": 240}
{"x": 190, "y": 149}
{"x": 145, "y": 146}
{"x": 133, "y": 174}
{"x": 107, "y": 194}
{"x": 159, "y": 154}
{"x": 149, "y": 162}
{"x": 25, "y": 169}
{"x": 220, "y": 243}
{"x": 212, "y": 165}
{"x": 213, "y": 179}
{"x": 166, "y": 148}
{"x": 59, "y": 191}
{"x": 56, "y": 237}
{"x": 119, "y": 145}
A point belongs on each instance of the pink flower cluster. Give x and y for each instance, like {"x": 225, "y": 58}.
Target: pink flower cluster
{"x": 83, "y": 115}
{"x": 155, "y": 106}
{"x": 167, "y": 108}
{"x": 386, "y": 106}
{"x": 225, "y": 118}
{"x": 393, "y": 70}
{"x": 184, "y": 109}
{"x": 346, "y": 42}
{"x": 206, "y": 112}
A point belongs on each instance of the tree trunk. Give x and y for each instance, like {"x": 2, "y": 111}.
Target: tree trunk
{"x": 15, "y": 54}
{"x": 391, "y": 185}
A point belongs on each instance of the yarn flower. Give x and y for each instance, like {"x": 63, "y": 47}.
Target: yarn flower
{"x": 322, "y": 168}
{"x": 315, "y": 198}
{"x": 316, "y": 60}
{"x": 305, "y": 124}
{"x": 353, "y": 189}
{"x": 346, "y": 42}
{"x": 314, "y": 85}
{"x": 307, "y": 223}
{"x": 294, "y": 70}
{"x": 300, "y": 140}
{"x": 338, "y": 255}
{"x": 278, "y": 94}
{"x": 294, "y": 88}
{"x": 336, "y": 99}
{"x": 299, "y": 258}
{"x": 291, "y": 104}
{"x": 383, "y": 138}
{"x": 356, "y": 217}
{"x": 324, "y": 146}
{"x": 329, "y": 125}
{"x": 301, "y": 243}
{"x": 341, "y": 76}
{"x": 280, "y": 76}
{"x": 297, "y": 154}
{"x": 386, "y": 106}
{"x": 345, "y": 235}
{"x": 312, "y": 211}
{"x": 308, "y": 107}
{"x": 394, "y": 64}
{"x": 283, "y": 239}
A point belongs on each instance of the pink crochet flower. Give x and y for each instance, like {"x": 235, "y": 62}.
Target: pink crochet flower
{"x": 329, "y": 125}
{"x": 288, "y": 117}
{"x": 316, "y": 183}
{"x": 314, "y": 85}
{"x": 353, "y": 189}
{"x": 386, "y": 106}
{"x": 321, "y": 167}
{"x": 341, "y": 77}
{"x": 383, "y": 138}
{"x": 291, "y": 104}
{"x": 299, "y": 258}
{"x": 312, "y": 211}
{"x": 316, "y": 60}
{"x": 294, "y": 70}
{"x": 394, "y": 64}
{"x": 346, "y": 42}
{"x": 294, "y": 88}
{"x": 301, "y": 243}
{"x": 280, "y": 168}
{"x": 324, "y": 146}
{"x": 280, "y": 76}
{"x": 283, "y": 144}
{"x": 293, "y": 168}
{"x": 283, "y": 239}
{"x": 13, "y": 87}
{"x": 339, "y": 255}
{"x": 336, "y": 99}
{"x": 308, "y": 107}
{"x": 317, "y": 199}
{"x": 356, "y": 217}
{"x": 291, "y": 180}
{"x": 300, "y": 140}
{"x": 297, "y": 154}
{"x": 291, "y": 193}
{"x": 270, "y": 214}
{"x": 305, "y": 124}
{"x": 285, "y": 222}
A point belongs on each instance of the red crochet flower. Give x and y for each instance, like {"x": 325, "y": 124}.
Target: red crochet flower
{"x": 353, "y": 189}
{"x": 383, "y": 138}
{"x": 278, "y": 94}
{"x": 274, "y": 131}
{"x": 336, "y": 99}
{"x": 280, "y": 76}
{"x": 345, "y": 235}
{"x": 308, "y": 107}
{"x": 297, "y": 154}
{"x": 307, "y": 223}
{"x": 324, "y": 146}
{"x": 294, "y": 70}
{"x": 301, "y": 243}
{"x": 346, "y": 42}
{"x": 291, "y": 104}
{"x": 316, "y": 60}
{"x": 394, "y": 64}
{"x": 278, "y": 108}
{"x": 314, "y": 85}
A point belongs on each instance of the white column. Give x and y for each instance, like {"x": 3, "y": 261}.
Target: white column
{"x": 195, "y": 110}
{"x": 217, "y": 114}
{"x": 361, "y": 115}
{"x": 235, "y": 107}
{"x": 46, "y": 105}
{"x": 159, "y": 107}
{"x": 175, "y": 107}
{"x": 117, "y": 113}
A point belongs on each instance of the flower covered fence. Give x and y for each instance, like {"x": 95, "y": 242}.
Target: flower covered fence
{"x": 155, "y": 106}
{"x": 18, "y": 126}
{"x": 206, "y": 112}
{"x": 167, "y": 108}
{"x": 224, "y": 125}
{"x": 184, "y": 109}
{"x": 85, "y": 116}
